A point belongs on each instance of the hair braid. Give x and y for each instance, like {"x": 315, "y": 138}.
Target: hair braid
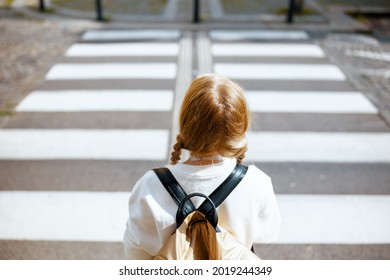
{"x": 176, "y": 153}
{"x": 241, "y": 154}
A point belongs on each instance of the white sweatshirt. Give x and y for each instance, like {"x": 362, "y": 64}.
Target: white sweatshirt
{"x": 250, "y": 212}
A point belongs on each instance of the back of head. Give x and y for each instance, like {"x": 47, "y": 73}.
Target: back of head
{"x": 213, "y": 119}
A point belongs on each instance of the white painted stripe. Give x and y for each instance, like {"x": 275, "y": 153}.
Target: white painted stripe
{"x": 19, "y": 144}
{"x": 334, "y": 219}
{"x": 65, "y": 216}
{"x": 97, "y": 100}
{"x": 111, "y": 35}
{"x": 258, "y": 35}
{"x": 112, "y": 71}
{"x": 101, "y": 216}
{"x": 318, "y": 147}
{"x": 384, "y": 56}
{"x": 280, "y": 71}
{"x": 280, "y": 50}
{"x": 124, "y": 49}
{"x": 310, "y": 102}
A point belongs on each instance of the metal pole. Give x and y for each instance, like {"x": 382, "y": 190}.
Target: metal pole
{"x": 290, "y": 12}
{"x": 99, "y": 10}
{"x": 196, "y": 11}
{"x": 42, "y": 5}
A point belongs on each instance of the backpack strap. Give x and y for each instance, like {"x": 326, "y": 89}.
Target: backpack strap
{"x": 217, "y": 196}
{"x": 224, "y": 189}
{"x": 174, "y": 189}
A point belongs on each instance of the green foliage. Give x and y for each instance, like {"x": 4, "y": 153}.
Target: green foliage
{"x": 115, "y": 6}
{"x": 6, "y": 3}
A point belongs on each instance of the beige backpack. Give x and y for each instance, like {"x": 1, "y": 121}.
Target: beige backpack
{"x": 197, "y": 236}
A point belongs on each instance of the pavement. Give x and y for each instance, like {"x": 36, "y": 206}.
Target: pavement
{"x": 105, "y": 112}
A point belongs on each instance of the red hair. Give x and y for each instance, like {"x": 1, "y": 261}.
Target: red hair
{"x": 214, "y": 118}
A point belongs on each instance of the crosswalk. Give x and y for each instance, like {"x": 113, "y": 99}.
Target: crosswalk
{"x": 105, "y": 113}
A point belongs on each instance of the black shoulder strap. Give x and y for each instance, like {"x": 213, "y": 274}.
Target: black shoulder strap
{"x": 224, "y": 189}
{"x": 174, "y": 189}
{"x": 217, "y": 196}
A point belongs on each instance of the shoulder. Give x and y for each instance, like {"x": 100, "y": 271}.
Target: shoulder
{"x": 149, "y": 178}
{"x": 149, "y": 198}
{"x": 257, "y": 180}
{"x": 254, "y": 173}
{"x": 148, "y": 184}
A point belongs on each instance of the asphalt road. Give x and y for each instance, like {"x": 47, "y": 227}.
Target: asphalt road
{"x": 105, "y": 114}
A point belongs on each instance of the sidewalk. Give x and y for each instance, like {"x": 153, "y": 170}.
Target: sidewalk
{"x": 269, "y": 14}
{"x": 318, "y": 15}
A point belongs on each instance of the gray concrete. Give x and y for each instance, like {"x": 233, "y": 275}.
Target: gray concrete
{"x": 295, "y": 85}
{"x": 318, "y": 122}
{"x": 72, "y": 175}
{"x": 106, "y": 84}
{"x": 323, "y": 252}
{"x": 328, "y": 178}
{"x": 51, "y": 250}
{"x": 108, "y": 120}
